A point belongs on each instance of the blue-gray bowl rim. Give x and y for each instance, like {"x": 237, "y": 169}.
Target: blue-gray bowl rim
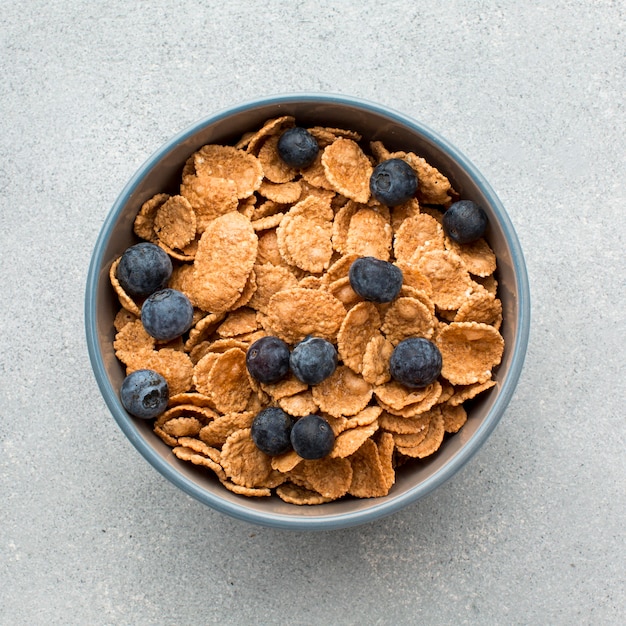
{"x": 376, "y": 510}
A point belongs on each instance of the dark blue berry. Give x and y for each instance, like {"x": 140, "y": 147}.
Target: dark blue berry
{"x": 415, "y": 362}
{"x": 167, "y": 314}
{"x": 312, "y": 437}
{"x": 393, "y": 182}
{"x": 271, "y": 430}
{"x": 313, "y": 360}
{"x": 375, "y": 280}
{"x": 143, "y": 269}
{"x": 144, "y": 394}
{"x": 267, "y": 359}
{"x": 465, "y": 221}
{"x": 297, "y": 147}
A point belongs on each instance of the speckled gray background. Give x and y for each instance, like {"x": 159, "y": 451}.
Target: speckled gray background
{"x": 532, "y": 530}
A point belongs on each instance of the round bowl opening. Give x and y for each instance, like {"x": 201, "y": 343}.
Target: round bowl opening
{"x": 161, "y": 172}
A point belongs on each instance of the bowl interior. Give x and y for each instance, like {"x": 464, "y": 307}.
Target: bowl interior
{"x": 162, "y": 172}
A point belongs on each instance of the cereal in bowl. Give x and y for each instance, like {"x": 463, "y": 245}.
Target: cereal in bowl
{"x": 338, "y": 323}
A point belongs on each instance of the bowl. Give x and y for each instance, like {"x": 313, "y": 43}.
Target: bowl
{"x": 398, "y": 132}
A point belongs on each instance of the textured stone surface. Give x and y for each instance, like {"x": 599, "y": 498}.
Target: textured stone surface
{"x": 531, "y": 530}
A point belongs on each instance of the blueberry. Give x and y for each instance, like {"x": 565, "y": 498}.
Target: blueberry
{"x": 465, "y": 221}
{"x": 297, "y": 147}
{"x": 271, "y": 430}
{"x": 415, "y": 362}
{"x": 267, "y": 359}
{"x": 144, "y": 394}
{"x": 167, "y": 314}
{"x": 312, "y": 437}
{"x": 393, "y": 182}
{"x": 313, "y": 360}
{"x": 375, "y": 280}
{"x": 143, "y": 269}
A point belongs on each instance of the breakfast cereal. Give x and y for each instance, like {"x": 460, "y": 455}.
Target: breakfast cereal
{"x": 264, "y": 248}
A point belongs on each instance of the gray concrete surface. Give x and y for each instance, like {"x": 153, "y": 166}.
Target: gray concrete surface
{"x": 532, "y": 530}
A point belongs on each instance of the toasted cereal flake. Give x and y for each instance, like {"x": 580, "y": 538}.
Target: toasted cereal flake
{"x": 412, "y": 277}
{"x": 376, "y": 357}
{"x": 203, "y": 413}
{"x": 178, "y": 280}
{"x": 339, "y": 268}
{"x": 365, "y": 417}
{"x": 243, "y": 462}
{"x": 379, "y": 151}
{"x": 358, "y": 327}
{"x": 305, "y": 243}
{"x": 407, "y": 317}
{"x": 315, "y": 175}
{"x": 294, "y": 494}
{"x": 342, "y": 290}
{"x": 402, "y": 212}
{"x": 267, "y": 208}
{"x": 185, "y": 453}
{"x": 488, "y": 282}
{"x": 188, "y": 253}
{"x": 288, "y": 386}
{"x": 447, "y": 391}
{"x": 248, "y": 291}
{"x": 483, "y": 307}
{"x": 203, "y": 329}
{"x": 329, "y": 476}
{"x": 368, "y": 478}
{"x": 270, "y": 279}
{"x": 238, "y": 322}
{"x": 221, "y": 345}
{"x": 341, "y": 225}
{"x": 182, "y": 426}
{"x": 433, "y": 187}
{"x": 411, "y": 440}
{"x": 210, "y": 197}
{"x": 350, "y": 440}
{"x": 228, "y": 162}
{"x": 417, "y": 235}
{"x": 216, "y": 432}
{"x": 267, "y": 223}
{"x": 404, "y": 425}
{"x": 431, "y": 442}
{"x": 250, "y": 492}
{"x": 386, "y": 447}
{"x": 268, "y": 251}
{"x": 274, "y": 126}
{"x": 175, "y": 222}
{"x": 448, "y": 276}
{"x": 347, "y": 169}
{"x": 168, "y": 439}
{"x": 298, "y": 405}
{"x": 125, "y": 300}
{"x": 469, "y": 352}
{"x": 419, "y": 407}
{"x": 122, "y": 318}
{"x": 310, "y": 282}
{"x": 193, "y": 398}
{"x": 274, "y": 168}
{"x": 343, "y": 393}
{"x": 296, "y": 313}
{"x": 326, "y": 136}
{"x": 477, "y": 257}
{"x": 286, "y": 462}
{"x": 369, "y": 234}
{"x": 282, "y": 193}
{"x": 453, "y": 417}
{"x": 313, "y": 208}
{"x": 467, "y": 392}
{"x": 144, "y": 222}
{"x": 226, "y": 255}
{"x": 227, "y": 383}
{"x": 397, "y": 396}
{"x": 175, "y": 366}
{"x": 132, "y": 340}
